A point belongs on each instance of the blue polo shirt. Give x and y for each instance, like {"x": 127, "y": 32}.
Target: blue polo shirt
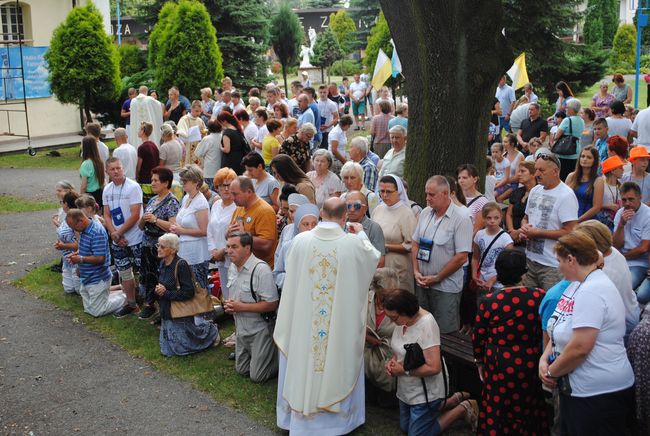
{"x": 94, "y": 242}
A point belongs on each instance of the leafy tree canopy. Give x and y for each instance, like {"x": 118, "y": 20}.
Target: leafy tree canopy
{"x": 326, "y": 50}
{"x": 189, "y": 56}
{"x": 286, "y": 37}
{"x": 83, "y": 63}
{"x": 344, "y": 29}
{"x": 623, "y": 53}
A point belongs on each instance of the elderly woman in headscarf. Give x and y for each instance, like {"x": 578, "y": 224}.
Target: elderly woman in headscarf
{"x": 398, "y": 222}
{"x": 294, "y": 200}
{"x": 379, "y": 331}
{"x": 305, "y": 219}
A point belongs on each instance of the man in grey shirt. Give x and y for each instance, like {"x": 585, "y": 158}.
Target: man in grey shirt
{"x": 255, "y": 351}
{"x": 357, "y": 206}
{"x": 441, "y": 243}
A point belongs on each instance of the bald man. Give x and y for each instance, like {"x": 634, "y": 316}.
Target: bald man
{"x": 357, "y": 207}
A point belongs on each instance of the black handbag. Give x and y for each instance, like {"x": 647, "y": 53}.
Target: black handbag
{"x": 414, "y": 358}
{"x": 567, "y": 145}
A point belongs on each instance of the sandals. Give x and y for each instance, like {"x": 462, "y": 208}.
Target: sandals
{"x": 461, "y": 396}
{"x": 471, "y": 413}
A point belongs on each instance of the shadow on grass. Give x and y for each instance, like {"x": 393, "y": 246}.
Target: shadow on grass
{"x": 209, "y": 371}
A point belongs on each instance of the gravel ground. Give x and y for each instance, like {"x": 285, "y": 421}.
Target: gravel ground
{"x": 56, "y": 377}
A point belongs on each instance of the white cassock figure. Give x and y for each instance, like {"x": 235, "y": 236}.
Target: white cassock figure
{"x": 145, "y": 108}
{"x": 321, "y": 327}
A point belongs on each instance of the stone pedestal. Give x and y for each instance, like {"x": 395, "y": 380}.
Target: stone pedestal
{"x": 314, "y": 75}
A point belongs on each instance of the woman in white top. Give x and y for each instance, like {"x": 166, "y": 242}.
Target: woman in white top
{"x": 327, "y": 183}
{"x": 171, "y": 150}
{"x": 514, "y": 156}
{"x": 422, "y": 412}
{"x": 220, "y": 216}
{"x": 586, "y": 358}
{"x": 192, "y": 224}
{"x": 615, "y": 268}
{"x": 384, "y": 95}
{"x": 617, "y": 124}
{"x": 467, "y": 175}
{"x": 209, "y": 151}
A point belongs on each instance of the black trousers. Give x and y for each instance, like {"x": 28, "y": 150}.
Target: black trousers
{"x": 606, "y": 414}
{"x": 148, "y": 274}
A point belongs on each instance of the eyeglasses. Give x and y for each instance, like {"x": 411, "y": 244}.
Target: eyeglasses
{"x": 386, "y": 191}
{"x": 547, "y": 157}
{"x": 356, "y": 205}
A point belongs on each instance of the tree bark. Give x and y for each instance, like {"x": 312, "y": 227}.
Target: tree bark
{"x": 452, "y": 53}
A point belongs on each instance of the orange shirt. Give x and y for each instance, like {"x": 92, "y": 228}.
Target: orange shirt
{"x": 259, "y": 221}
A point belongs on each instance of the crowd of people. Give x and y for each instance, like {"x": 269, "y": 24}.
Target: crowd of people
{"x": 334, "y": 276}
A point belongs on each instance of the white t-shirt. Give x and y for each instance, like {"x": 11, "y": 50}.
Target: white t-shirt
{"x": 219, "y": 221}
{"x": 426, "y": 333}
{"x": 104, "y": 153}
{"x": 261, "y": 133}
{"x": 250, "y": 132}
{"x": 483, "y": 240}
{"x": 597, "y": 304}
{"x": 327, "y": 108}
{"x": 129, "y": 157}
{"x": 209, "y": 149}
{"x": 337, "y": 134}
{"x": 119, "y": 200}
{"x": 490, "y": 183}
{"x": 636, "y": 230}
{"x": 618, "y": 126}
{"x": 500, "y": 169}
{"x": 616, "y": 269}
{"x": 294, "y": 110}
{"x": 641, "y": 125}
{"x": 266, "y": 187}
{"x": 358, "y": 90}
{"x": 194, "y": 249}
{"x": 172, "y": 153}
{"x": 514, "y": 163}
{"x": 549, "y": 209}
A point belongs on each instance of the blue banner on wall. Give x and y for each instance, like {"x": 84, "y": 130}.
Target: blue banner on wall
{"x": 36, "y": 83}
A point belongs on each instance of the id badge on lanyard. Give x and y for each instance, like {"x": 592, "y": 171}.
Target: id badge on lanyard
{"x": 118, "y": 216}
{"x": 424, "y": 250}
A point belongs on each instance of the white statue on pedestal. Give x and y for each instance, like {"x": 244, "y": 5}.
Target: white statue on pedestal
{"x": 305, "y": 53}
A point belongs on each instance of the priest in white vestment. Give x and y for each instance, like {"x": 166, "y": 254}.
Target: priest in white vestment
{"x": 145, "y": 108}
{"x": 191, "y": 129}
{"x": 321, "y": 327}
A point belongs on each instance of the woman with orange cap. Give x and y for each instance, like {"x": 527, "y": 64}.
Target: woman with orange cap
{"x": 612, "y": 172}
{"x": 640, "y": 158}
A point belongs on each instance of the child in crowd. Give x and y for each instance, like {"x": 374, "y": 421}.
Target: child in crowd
{"x": 67, "y": 243}
{"x": 533, "y": 145}
{"x": 87, "y": 204}
{"x": 490, "y": 179}
{"x": 601, "y": 133}
{"x": 501, "y": 168}
{"x": 558, "y": 118}
{"x": 488, "y": 243}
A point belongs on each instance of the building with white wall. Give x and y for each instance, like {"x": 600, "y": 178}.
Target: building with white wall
{"x": 35, "y": 20}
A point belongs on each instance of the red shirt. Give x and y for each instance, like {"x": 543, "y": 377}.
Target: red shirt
{"x": 148, "y": 152}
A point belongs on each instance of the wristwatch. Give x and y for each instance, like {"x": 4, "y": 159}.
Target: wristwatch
{"x": 81, "y": 259}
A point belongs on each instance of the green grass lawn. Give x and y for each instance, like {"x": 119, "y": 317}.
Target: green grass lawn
{"x": 209, "y": 371}
{"x": 69, "y": 159}
{"x": 11, "y": 204}
{"x": 586, "y": 96}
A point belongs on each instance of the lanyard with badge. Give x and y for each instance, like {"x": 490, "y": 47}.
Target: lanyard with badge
{"x": 425, "y": 246}
{"x": 116, "y": 214}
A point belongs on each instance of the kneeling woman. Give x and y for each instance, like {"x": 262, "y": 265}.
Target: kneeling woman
{"x": 586, "y": 357}
{"x": 421, "y": 412}
{"x": 186, "y": 335}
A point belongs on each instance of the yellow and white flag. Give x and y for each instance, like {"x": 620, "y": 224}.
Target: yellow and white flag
{"x": 518, "y": 72}
{"x": 383, "y": 70}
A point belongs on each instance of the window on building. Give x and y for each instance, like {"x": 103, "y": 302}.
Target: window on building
{"x": 11, "y": 16}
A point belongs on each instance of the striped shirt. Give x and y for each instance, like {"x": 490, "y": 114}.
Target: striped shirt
{"x": 94, "y": 242}
{"x": 65, "y": 235}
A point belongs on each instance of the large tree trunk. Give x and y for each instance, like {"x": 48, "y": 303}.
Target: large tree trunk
{"x": 452, "y": 54}
{"x": 284, "y": 76}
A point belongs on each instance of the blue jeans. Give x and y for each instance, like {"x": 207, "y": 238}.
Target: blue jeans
{"x": 640, "y": 283}
{"x": 420, "y": 419}
{"x": 503, "y": 124}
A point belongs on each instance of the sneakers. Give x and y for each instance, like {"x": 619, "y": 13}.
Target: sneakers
{"x": 147, "y": 312}
{"x": 126, "y": 310}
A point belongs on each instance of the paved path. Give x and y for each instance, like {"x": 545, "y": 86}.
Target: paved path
{"x": 36, "y": 184}
{"x": 57, "y": 377}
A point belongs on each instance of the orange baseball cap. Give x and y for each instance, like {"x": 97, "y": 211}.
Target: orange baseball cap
{"x": 638, "y": 152}
{"x": 612, "y": 163}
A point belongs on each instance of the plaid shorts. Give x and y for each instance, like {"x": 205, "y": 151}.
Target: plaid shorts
{"x": 127, "y": 257}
